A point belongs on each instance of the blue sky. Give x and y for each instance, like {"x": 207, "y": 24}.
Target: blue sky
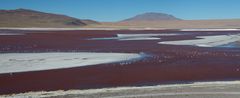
{"x": 115, "y": 10}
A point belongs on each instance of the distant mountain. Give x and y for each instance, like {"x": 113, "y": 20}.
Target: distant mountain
{"x": 152, "y": 17}
{"x": 31, "y": 18}
{"x": 89, "y": 22}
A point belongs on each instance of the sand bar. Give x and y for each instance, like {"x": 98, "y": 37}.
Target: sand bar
{"x": 129, "y": 37}
{"x": 206, "y": 41}
{"x": 24, "y": 62}
{"x": 209, "y": 29}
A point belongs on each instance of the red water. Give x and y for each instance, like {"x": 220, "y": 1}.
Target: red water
{"x": 165, "y": 63}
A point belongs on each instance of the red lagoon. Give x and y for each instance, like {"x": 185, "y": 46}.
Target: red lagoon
{"x": 164, "y": 64}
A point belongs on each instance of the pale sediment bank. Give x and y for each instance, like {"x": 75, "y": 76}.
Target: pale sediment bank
{"x": 24, "y": 62}
{"x": 129, "y": 37}
{"x": 152, "y": 36}
{"x": 206, "y": 41}
{"x": 209, "y": 29}
{"x": 218, "y": 88}
{"x": 147, "y": 35}
{"x": 139, "y": 38}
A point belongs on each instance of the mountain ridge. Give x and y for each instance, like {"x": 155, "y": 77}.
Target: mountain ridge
{"x": 31, "y": 18}
{"x": 152, "y": 16}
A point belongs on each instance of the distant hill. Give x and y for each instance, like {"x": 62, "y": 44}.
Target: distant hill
{"x": 89, "y": 22}
{"x": 31, "y": 18}
{"x": 175, "y": 24}
{"x": 152, "y": 17}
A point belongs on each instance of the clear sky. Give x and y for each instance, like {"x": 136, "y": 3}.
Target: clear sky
{"x": 115, "y": 10}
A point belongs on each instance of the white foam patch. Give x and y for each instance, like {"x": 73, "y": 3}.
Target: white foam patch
{"x": 24, "y": 62}
{"x": 206, "y": 41}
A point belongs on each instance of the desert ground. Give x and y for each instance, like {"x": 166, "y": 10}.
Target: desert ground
{"x": 135, "y": 59}
{"x": 172, "y": 24}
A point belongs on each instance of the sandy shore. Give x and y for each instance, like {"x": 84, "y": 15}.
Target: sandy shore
{"x": 227, "y": 89}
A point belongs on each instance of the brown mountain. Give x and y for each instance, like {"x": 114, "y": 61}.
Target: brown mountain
{"x": 152, "y": 17}
{"x": 31, "y": 18}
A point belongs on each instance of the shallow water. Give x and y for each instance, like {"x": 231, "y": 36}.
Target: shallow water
{"x": 231, "y": 45}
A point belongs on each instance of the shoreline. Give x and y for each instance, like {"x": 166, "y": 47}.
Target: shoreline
{"x": 140, "y": 28}
{"x": 63, "y": 29}
{"x": 107, "y": 92}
